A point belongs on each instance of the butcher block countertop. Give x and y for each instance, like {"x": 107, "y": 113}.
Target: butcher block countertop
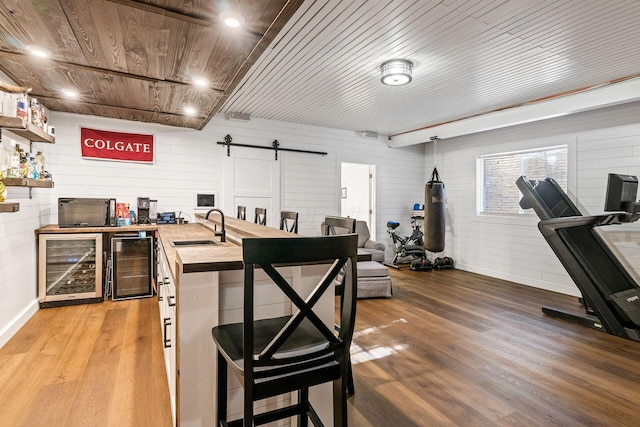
{"x": 225, "y": 256}
{"x": 192, "y": 259}
{"x": 54, "y": 229}
{"x": 240, "y": 228}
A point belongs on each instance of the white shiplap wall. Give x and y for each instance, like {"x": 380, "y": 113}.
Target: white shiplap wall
{"x": 183, "y": 164}
{"x": 18, "y": 270}
{"x": 600, "y": 142}
{"x": 188, "y": 161}
{"x": 310, "y": 182}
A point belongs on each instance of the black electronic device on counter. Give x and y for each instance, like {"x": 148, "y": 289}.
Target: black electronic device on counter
{"x": 166, "y": 218}
{"x": 85, "y": 212}
{"x": 144, "y": 206}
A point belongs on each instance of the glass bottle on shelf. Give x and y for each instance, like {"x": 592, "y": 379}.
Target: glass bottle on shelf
{"x": 24, "y": 164}
{"x": 31, "y": 170}
{"x": 39, "y": 164}
{"x": 14, "y": 165}
{"x": 35, "y": 116}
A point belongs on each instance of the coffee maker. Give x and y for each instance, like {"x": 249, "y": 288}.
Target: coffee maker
{"x": 144, "y": 204}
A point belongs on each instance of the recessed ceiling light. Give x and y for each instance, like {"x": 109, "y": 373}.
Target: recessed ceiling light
{"x": 190, "y": 111}
{"x": 200, "y": 81}
{"x": 70, "y": 93}
{"x": 231, "y": 19}
{"x": 38, "y": 51}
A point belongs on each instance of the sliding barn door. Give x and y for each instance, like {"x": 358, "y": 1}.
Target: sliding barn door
{"x": 252, "y": 179}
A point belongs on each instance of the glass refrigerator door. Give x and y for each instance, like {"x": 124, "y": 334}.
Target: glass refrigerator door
{"x": 70, "y": 267}
{"x": 132, "y": 259}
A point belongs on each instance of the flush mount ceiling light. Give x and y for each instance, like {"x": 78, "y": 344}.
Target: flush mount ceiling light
{"x": 190, "y": 111}
{"x": 396, "y": 72}
{"x": 38, "y": 51}
{"x": 231, "y": 19}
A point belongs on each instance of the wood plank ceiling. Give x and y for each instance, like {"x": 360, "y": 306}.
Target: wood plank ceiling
{"x": 136, "y": 60}
{"x": 470, "y": 58}
{"x": 316, "y": 62}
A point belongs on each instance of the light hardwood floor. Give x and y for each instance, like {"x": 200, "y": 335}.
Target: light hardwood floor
{"x": 450, "y": 348}
{"x": 86, "y": 365}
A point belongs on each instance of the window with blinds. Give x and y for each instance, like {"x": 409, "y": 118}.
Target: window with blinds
{"x": 498, "y": 174}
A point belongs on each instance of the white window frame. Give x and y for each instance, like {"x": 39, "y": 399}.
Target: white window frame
{"x": 522, "y": 213}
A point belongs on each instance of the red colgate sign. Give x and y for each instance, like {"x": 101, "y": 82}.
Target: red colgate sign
{"x": 102, "y": 144}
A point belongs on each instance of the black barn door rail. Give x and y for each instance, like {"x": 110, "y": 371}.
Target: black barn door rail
{"x": 275, "y": 145}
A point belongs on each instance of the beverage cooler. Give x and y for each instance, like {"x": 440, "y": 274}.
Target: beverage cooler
{"x": 70, "y": 268}
{"x": 132, "y": 266}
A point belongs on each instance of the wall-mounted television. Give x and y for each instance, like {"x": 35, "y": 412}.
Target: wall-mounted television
{"x": 622, "y": 192}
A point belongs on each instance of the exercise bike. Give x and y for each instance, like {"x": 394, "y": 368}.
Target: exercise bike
{"x": 407, "y": 249}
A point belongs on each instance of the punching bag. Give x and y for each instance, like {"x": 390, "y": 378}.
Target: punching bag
{"x": 434, "y": 213}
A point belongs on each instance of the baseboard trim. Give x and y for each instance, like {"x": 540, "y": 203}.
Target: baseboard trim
{"x": 18, "y": 322}
{"x": 540, "y": 284}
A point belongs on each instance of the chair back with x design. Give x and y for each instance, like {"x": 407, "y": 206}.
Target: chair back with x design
{"x": 289, "y": 221}
{"x": 273, "y": 356}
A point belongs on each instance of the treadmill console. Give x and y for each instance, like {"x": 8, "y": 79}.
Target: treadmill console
{"x": 622, "y": 191}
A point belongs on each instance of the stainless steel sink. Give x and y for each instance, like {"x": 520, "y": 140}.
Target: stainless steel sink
{"x": 206, "y": 242}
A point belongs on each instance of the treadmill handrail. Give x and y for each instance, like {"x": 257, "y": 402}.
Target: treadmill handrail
{"x": 581, "y": 221}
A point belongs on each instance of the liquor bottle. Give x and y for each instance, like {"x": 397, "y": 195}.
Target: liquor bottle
{"x": 24, "y": 164}
{"x": 31, "y": 168}
{"x": 39, "y": 164}
{"x": 33, "y": 114}
{"x": 14, "y": 165}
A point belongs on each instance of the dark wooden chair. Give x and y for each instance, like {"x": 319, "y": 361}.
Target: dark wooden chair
{"x": 280, "y": 355}
{"x": 337, "y": 225}
{"x": 334, "y": 225}
{"x": 261, "y": 216}
{"x": 289, "y": 221}
{"x": 242, "y": 213}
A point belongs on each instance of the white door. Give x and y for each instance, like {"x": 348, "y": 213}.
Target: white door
{"x": 252, "y": 179}
{"x": 358, "y": 193}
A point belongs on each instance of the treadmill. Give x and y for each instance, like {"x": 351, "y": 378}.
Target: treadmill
{"x": 610, "y": 295}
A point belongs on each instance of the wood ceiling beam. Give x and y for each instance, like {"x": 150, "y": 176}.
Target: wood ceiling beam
{"x": 195, "y": 20}
{"x": 107, "y": 71}
{"x": 44, "y": 99}
{"x": 164, "y": 12}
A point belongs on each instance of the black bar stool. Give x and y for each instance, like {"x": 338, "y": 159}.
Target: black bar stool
{"x": 261, "y": 216}
{"x": 335, "y": 225}
{"x": 242, "y": 213}
{"x": 289, "y": 221}
{"x": 274, "y": 356}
